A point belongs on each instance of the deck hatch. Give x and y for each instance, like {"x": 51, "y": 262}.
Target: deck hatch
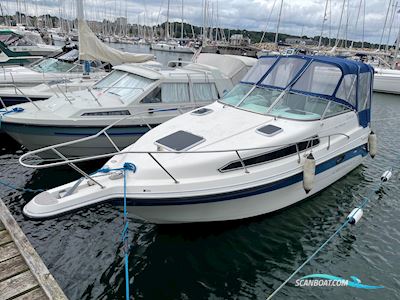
{"x": 180, "y": 141}
{"x": 201, "y": 111}
{"x": 269, "y": 130}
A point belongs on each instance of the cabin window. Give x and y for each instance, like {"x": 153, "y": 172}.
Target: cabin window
{"x": 107, "y": 113}
{"x": 153, "y": 97}
{"x": 347, "y": 89}
{"x": 364, "y": 90}
{"x": 130, "y": 86}
{"x": 284, "y": 72}
{"x": 236, "y": 94}
{"x": 259, "y": 100}
{"x": 51, "y": 65}
{"x": 319, "y": 78}
{"x": 259, "y": 69}
{"x": 335, "y": 108}
{"x": 204, "y": 92}
{"x": 299, "y": 107}
{"x": 109, "y": 80}
{"x": 270, "y": 156}
{"x": 175, "y": 92}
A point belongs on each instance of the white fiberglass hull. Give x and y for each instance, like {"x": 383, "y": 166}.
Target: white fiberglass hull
{"x": 242, "y": 207}
{"x": 172, "y": 48}
{"x": 36, "y": 137}
{"x": 387, "y": 83}
{"x": 217, "y": 206}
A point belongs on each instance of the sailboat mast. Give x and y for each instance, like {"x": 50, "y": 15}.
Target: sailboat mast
{"x": 279, "y": 23}
{"x": 391, "y": 25}
{"x": 340, "y": 24}
{"x": 323, "y": 24}
{"x": 358, "y": 17}
{"x": 182, "y": 23}
{"x": 384, "y": 25}
{"x": 167, "y": 23}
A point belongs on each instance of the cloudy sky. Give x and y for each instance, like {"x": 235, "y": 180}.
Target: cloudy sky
{"x": 298, "y": 16}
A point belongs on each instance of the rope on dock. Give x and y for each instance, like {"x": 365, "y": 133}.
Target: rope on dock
{"x": 349, "y": 220}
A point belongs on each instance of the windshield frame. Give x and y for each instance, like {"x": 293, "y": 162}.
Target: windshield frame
{"x": 347, "y": 105}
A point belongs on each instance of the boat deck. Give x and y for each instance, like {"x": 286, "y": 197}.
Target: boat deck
{"x": 23, "y": 275}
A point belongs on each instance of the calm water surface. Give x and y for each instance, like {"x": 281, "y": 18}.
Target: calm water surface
{"x": 231, "y": 260}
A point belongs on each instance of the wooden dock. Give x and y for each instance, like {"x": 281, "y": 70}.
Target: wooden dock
{"x": 23, "y": 275}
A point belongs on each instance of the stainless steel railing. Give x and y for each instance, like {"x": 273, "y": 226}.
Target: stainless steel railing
{"x": 26, "y": 159}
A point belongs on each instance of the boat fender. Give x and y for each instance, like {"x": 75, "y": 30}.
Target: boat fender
{"x": 386, "y": 175}
{"x": 355, "y": 216}
{"x": 308, "y": 173}
{"x": 372, "y": 144}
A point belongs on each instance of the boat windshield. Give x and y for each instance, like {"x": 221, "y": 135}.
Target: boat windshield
{"x": 52, "y": 65}
{"x": 125, "y": 85}
{"x": 291, "y": 105}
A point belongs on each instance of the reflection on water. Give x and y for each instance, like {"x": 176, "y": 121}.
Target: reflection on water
{"x": 231, "y": 260}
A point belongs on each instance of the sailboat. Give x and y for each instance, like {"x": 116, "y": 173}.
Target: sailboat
{"x": 169, "y": 44}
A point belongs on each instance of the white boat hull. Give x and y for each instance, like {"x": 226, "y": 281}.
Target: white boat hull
{"x": 387, "y": 83}
{"x": 243, "y": 207}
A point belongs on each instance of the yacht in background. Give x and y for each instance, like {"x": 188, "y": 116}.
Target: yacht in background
{"x": 21, "y": 47}
{"x": 156, "y": 93}
{"x": 171, "y": 46}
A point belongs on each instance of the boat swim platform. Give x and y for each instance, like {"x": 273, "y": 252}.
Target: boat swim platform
{"x": 23, "y": 275}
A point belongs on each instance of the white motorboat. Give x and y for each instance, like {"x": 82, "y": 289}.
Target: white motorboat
{"x": 22, "y": 47}
{"x": 171, "y": 46}
{"x": 11, "y": 95}
{"x": 128, "y": 90}
{"x": 387, "y": 81}
{"x": 294, "y": 126}
{"x": 43, "y": 79}
{"x": 43, "y": 71}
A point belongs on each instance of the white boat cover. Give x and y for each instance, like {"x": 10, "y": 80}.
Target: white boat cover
{"x": 91, "y": 48}
{"x": 229, "y": 65}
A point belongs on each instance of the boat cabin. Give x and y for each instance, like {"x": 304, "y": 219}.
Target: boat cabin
{"x": 305, "y": 88}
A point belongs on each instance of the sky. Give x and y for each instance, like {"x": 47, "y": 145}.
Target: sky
{"x": 298, "y": 16}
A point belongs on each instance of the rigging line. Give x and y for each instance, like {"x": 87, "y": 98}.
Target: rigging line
{"x": 343, "y": 226}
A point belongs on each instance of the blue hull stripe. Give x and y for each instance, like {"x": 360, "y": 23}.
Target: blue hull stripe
{"x": 359, "y": 151}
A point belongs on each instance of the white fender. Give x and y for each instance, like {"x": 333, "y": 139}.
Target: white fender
{"x": 355, "y": 215}
{"x": 308, "y": 173}
{"x": 372, "y": 144}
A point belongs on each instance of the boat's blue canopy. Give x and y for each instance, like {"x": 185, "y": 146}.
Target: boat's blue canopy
{"x": 341, "y": 80}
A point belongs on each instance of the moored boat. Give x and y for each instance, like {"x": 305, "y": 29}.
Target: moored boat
{"x": 291, "y": 128}
{"x": 130, "y": 89}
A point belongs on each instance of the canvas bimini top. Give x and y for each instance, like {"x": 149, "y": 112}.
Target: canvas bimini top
{"x": 315, "y": 87}
{"x": 328, "y": 77}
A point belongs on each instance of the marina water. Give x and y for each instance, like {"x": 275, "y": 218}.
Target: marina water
{"x": 231, "y": 260}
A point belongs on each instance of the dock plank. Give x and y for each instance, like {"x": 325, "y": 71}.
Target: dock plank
{"x": 12, "y": 267}
{"x": 36, "y": 294}
{"x": 5, "y": 237}
{"x": 37, "y": 269}
{"x": 8, "y": 251}
{"x": 17, "y": 285}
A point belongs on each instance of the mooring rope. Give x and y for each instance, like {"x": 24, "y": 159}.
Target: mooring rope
{"x": 349, "y": 219}
{"x": 124, "y": 235}
{"x": 20, "y": 189}
{"x": 4, "y": 112}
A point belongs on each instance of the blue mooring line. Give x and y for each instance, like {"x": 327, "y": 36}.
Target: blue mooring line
{"x": 13, "y": 187}
{"x": 348, "y": 220}
{"x": 124, "y": 235}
